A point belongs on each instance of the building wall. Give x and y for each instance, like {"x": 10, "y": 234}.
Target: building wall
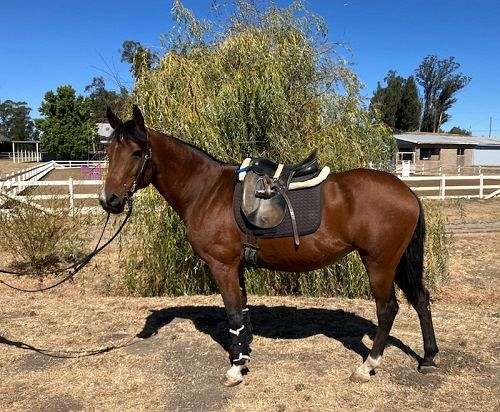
{"x": 448, "y": 159}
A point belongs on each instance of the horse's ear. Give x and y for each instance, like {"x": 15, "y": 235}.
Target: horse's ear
{"x": 138, "y": 118}
{"x": 113, "y": 119}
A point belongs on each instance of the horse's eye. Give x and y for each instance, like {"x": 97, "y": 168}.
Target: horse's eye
{"x": 137, "y": 154}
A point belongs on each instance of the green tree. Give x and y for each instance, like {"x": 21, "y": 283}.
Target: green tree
{"x": 15, "y": 121}
{"x": 101, "y": 98}
{"x": 67, "y": 127}
{"x": 410, "y": 107}
{"x": 387, "y": 99}
{"x": 264, "y": 82}
{"x": 137, "y": 55}
{"x": 460, "y": 131}
{"x": 440, "y": 83}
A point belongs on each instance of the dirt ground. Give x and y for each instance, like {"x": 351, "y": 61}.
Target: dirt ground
{"x": 8, "y": 166}
{"x": 76, "y": 348}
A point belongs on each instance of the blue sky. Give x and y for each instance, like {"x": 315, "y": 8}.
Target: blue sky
{"x": 46, "y": 43}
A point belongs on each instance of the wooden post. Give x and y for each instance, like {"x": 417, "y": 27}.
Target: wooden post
{"x": 13, "y": 152}
{"x": 481, "y": 186}
{"x": 71, "y": 197}
{"x": 443, "y": 186}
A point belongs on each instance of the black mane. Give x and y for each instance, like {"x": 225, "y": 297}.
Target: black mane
{"x": 129, "y": 130}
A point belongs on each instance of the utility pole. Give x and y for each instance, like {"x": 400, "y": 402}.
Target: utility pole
{"x": 489, "y": 134}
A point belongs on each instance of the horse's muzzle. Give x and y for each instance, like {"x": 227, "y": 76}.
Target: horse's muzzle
{"x": 111, "y": 202}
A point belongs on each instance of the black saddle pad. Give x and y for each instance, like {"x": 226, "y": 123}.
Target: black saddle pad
{"x": 306, "y": 205}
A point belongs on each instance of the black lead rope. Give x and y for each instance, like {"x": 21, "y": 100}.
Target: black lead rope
{"x": 61, "y": 270}
{"x": 76, "y": 267}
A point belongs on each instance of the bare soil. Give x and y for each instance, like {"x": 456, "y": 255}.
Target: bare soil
{"x": 76, "y": 348}
{"x": 8, "y": 166}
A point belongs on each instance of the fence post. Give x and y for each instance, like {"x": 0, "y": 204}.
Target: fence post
{"x": 71, "y": 197}
{"x": 481, "y": 186}
{"x": 443, "y": 186}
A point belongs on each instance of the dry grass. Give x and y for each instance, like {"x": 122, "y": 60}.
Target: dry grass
{"x": 473, "y": 211}
{"x": 304, "y": 348}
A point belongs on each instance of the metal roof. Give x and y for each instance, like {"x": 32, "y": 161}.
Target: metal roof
{"x": 104, "y": 129}
{"x": 448, "y": 139}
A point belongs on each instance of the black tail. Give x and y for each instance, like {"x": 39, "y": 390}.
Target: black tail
{"x": 410, "y": 270}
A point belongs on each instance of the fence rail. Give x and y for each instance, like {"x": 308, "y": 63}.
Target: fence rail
{"x": 445, "y": 186}
{"x": 14, "y": 184}
{"x": 71, "y": 196}
{"x": 431, "y": 187}
{"x": 78, "y": 163}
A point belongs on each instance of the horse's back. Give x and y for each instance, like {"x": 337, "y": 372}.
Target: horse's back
{"x": 361, "y": 185}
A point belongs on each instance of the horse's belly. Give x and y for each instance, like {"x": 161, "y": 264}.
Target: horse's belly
{"x": 281, "y": 254}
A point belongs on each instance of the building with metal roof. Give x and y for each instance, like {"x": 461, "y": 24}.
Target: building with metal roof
{"x": 104, "y": 130}
{"x": 445, "y": 152}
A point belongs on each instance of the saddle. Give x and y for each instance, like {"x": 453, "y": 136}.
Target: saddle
{"x": 265, "y": 200}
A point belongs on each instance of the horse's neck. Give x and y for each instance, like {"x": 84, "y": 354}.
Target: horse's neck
{"x": 182, "y": 173}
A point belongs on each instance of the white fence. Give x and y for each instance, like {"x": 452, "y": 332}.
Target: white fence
{"x": 447, "y": 187}
{"x": 61, "y": 164}
{"x": 16, "y": 183}
{"x": 423, "y": 169}
{"x": 71, "y": 196}
{"x": 431, "y": 187}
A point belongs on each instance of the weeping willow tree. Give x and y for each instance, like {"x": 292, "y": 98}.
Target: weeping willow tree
{"x": 263, "y": 81}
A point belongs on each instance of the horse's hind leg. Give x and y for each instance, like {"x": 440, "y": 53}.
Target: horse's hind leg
{"x": 382, "y": 286}
{"x": 423, "y": 309}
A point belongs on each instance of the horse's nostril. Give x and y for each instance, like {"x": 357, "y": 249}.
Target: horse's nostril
{"x": 113, "y": 200}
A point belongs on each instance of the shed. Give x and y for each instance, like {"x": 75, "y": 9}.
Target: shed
{"x": 429, "y": 152}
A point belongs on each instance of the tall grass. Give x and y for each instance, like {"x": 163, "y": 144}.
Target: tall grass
{"x": 261, "y": 82}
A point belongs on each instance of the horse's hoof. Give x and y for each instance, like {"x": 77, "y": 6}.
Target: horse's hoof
{"x": 230, "y": 381}
{"x": 427, "y": 368}
{"x": 359, "y": 377}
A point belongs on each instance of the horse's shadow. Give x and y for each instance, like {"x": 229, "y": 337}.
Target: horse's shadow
{"x": 277, "y": 322}
{"x": 274, "y": 322}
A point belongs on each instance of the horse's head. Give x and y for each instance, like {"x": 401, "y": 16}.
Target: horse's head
{"x": 129, "y": 166}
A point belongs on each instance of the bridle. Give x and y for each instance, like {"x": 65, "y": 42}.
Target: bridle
{"x": 140, "y": 174}
{"x": 77, "y": 266}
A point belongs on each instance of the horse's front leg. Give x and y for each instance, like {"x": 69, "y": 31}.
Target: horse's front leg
{"x": 228, "y": 280}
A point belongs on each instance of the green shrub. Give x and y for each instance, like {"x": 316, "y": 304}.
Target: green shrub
{"x": 262, "y": 83}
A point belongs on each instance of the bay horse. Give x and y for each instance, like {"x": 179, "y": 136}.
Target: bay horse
{"x": 369, "y": 211}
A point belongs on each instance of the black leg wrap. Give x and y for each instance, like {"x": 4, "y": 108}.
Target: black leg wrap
{"x": 248, "y": 325}
{"x": 239, "y": 352}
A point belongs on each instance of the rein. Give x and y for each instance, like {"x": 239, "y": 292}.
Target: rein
{"x": 78, "y": 266}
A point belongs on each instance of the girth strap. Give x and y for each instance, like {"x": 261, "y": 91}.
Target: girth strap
{"x": 296, "y": 238}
